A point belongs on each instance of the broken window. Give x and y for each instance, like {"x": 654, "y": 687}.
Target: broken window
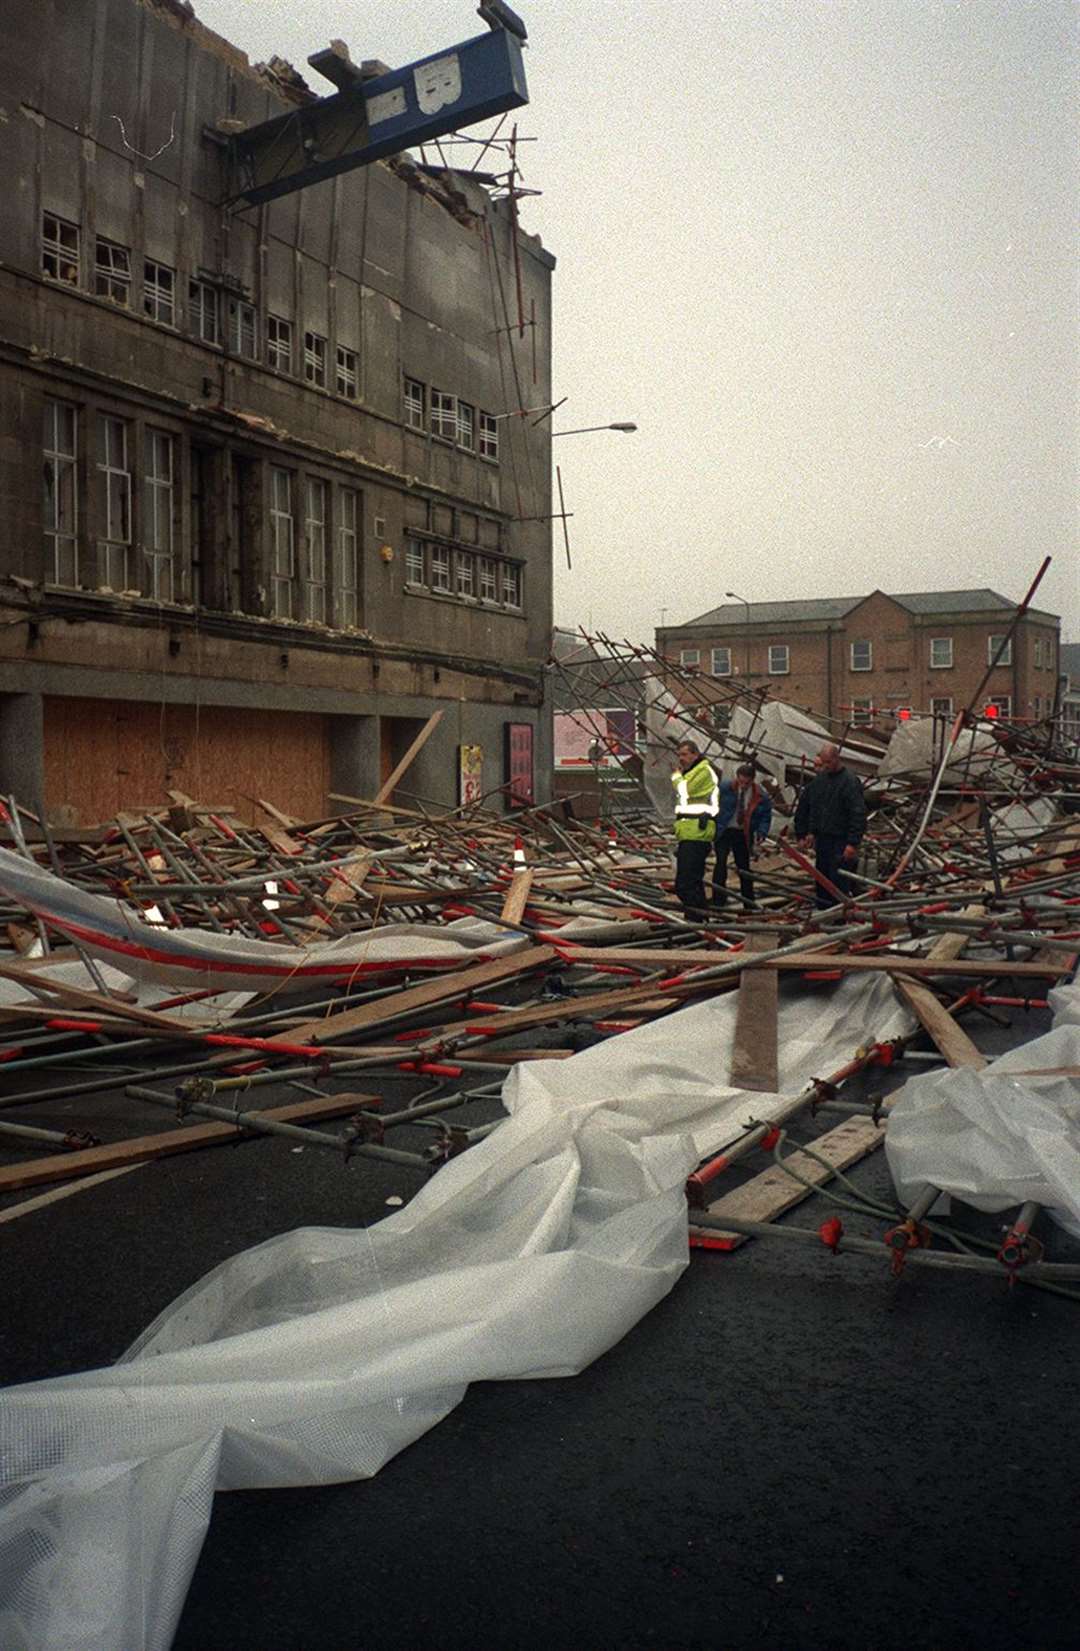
{"x": 61, "y": 494}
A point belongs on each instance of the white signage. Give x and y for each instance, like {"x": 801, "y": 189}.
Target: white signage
{"x": 438, "y": 83}
{"x": 385, "y": 105}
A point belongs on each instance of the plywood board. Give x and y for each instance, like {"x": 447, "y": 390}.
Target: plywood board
{"x": 753, "y": 1049}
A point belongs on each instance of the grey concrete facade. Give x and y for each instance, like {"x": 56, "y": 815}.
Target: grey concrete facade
{"x": 281, "y": 465}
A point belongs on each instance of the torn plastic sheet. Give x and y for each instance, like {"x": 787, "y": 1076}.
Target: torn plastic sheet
{"x": 318, "y": 1355}
{"x": 998, "y": 1136}
{"x": 914, "y": 753}
{"x": 200, "y": 959}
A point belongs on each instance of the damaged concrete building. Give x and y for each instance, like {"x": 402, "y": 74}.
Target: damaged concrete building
{"x": 267, "y": 504}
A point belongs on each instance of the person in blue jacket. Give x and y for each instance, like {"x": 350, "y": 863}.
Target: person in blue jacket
{"x": 742, "y": 822}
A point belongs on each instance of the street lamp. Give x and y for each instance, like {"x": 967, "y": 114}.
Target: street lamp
{"x": 735, "y": 597}
{"x": 589, "y": 428}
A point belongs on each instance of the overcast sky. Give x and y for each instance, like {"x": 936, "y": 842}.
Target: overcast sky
{"x": 822, "y": 253}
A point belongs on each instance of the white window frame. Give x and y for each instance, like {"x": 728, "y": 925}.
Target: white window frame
{"x": 937, "y": 643}
{"x": 348, "y": 568}
{"x": 60, "y": 249}
{"x": 279, "y": 344}
{"x": 112, "y": 272}
{"x": 862, "y": 713}
{"x": 993, "y": 643}
{"x": 283, "y": 542}
{"x": 159, "y": 478}
{"x": 721, "y": 662}
{"x": 776, "y": 668}
{"x": 61, "y": 502}
{"x": 466, "y": 426}
{"x": 316, "y": 512}
{"x": 488, "y": 437}
{"x": 487, "y": 579}
{"x": 204, "y": 311}
{"x": 1003, "y": 703}
{"x": 440, "y": 569}
{"x": 512, "y": 581}
{"x": 465, "y": 574}
{"x": 415, "y": 398}
{"x": 159, "y": 292}
{"x": 443, "y": 415}
{"x": 346, "y": 372}
{"x": 689, "y": 658}
{"x": 941, "y": 706}
{"x": 869, "y": 656}
{"x": 315, "y": 360}
{"x": 114, "y": 467}
{"x": 243, "y": 329}
{"x": 415, "y": 562}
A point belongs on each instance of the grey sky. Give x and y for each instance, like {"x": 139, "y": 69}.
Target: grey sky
{"x": 822, "y": 253}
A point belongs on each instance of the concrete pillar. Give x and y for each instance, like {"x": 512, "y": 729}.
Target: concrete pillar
{"x": 354, "y": 757}
{"x": 22, "y": 749}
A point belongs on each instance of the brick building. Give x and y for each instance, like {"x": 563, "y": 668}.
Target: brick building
{"x": 265, "y": 508}
{"x": 863, "y": 658}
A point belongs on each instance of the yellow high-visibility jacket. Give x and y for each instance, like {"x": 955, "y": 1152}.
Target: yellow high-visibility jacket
{"x": 697, "y": 799}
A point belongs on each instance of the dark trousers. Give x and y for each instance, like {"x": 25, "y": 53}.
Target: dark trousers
{"x": 732, "y": 841}
{"x": 829, "y": 861}
{"x": 690, "y": 858}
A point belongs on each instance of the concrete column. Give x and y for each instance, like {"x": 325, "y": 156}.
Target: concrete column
{"x": 354, "y": 757}
{"x": 22, "y": 749}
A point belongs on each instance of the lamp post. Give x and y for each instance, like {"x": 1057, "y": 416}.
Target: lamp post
{"x": 589, "y": 428}
{"x": 746, "y": 649}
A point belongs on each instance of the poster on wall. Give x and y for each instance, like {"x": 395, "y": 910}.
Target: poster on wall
{"x": 470, "y": 774}
{"x": 519, "y": 764}
{"x": 594, "y": 739}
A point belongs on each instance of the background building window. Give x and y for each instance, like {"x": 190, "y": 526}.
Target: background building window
{"x": 414, "y": 562}
{"x": 993, "y": 643}
{"x": 243, "y": 330}
{"x": 203, "y": 316}
{"x": 115, "y": 542}
{"x": 414, "y": 404}
{"x": 346, "y": 376}
{"x": 159, "y": 292}
{"x": 440, "y": 567}
{"x": 1002, "y": 703}
{"x": 443, "y": 415}
{"x": 315, "y": 538}
{"x": 315, "y": 360}
{"x": 779, "y": 659}
{"x": 941, "y": 707}
{"x": 940, "y": 653}
{"x": 487, "y": 572}
{"x": 721, "y": 662}
{"x": 511, "y": 583}
{"x": 61, "y": 510}
{"x": 279, "y": 344}
{"x": 466, "y": 426}
{"x": 59, "y": 249}
{"x": 348, "y": 570}
{"x": 112, "y": 272}
{"x": 689, "y": 656}
{"x": 158, "y": 513}
{"x": 489, "y": 437}
{"x": 862, "y": 656}
{"x": 283, "y": 543}
{"x": 862, "y": 713}
{"x": 465, "y": 573}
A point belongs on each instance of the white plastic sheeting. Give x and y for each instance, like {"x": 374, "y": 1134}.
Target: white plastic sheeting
{"x": 917, "y": 746}
{"x": 318, "y": 1355}
{"x": 997, "y": 1137}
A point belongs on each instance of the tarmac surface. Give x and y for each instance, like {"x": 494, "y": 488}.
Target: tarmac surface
{"x": 793, "y": 1452}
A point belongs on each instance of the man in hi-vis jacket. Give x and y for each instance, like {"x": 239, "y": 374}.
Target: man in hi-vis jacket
{"x": 697, "y": 798}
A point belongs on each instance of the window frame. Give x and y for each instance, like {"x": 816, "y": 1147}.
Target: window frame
{"x": 869, "y": 646}
{"x": 776, "y": 648}
{"x": 466, "y": 426}
{"x": 513, "y": 581}
{"x": 204, "y": 311}
{"x": 862, "y": 712}
{"x": 721, "y": 649}
{"x": 116, "y": 542}
{"x": 441, "y": 569}
{"x": 158, "y": 296}
{"x": 54, "y": 248}
{"x": 941, "y": 664}
{"x": 487, "y": 579}
{"x": 61, "y": 478}
{"x": 442, "y": 414}
{"x": 487, "y": 426}
{"x": 241, "y": 322}
{"x": 316, "y": 525}
{"x": 992, "y": 642}
{"x": 941, "y": 705}
{"x": 414, "y": 401}
{"x": 282, "y": 539}
{"x": 1003, "y": 703}
{"x": 315, "y": 348}
{"x": 346, "y": 373}
{"x": 279, "y": 344}
{"x": 690, "y": 658}
{"x": 347, "y": 539}
{"x": 111, "y": 278}
{"x": 415, "y": 554}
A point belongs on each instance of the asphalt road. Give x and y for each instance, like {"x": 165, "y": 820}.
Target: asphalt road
{"x": 793, "y": 1451}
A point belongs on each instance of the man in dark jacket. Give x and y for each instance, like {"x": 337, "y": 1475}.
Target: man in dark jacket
{"x": 831, "y": 815}
{"x": 743, "y": 821}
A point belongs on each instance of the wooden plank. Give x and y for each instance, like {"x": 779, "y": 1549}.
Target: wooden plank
{"x": 35, "y": 980}
{"x": 754, "y": 1058}
{"x": 799, "y": 962}
{"x": 442, "y": 989}
{"x": 948, "y": 1037}
{"x": 64, "y": 1166}
{"x": 44, "y": 1199}
{"x": 386, "y": 790}
{"x": 773, "y": 1192}
{"x": 517, "y": 896}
